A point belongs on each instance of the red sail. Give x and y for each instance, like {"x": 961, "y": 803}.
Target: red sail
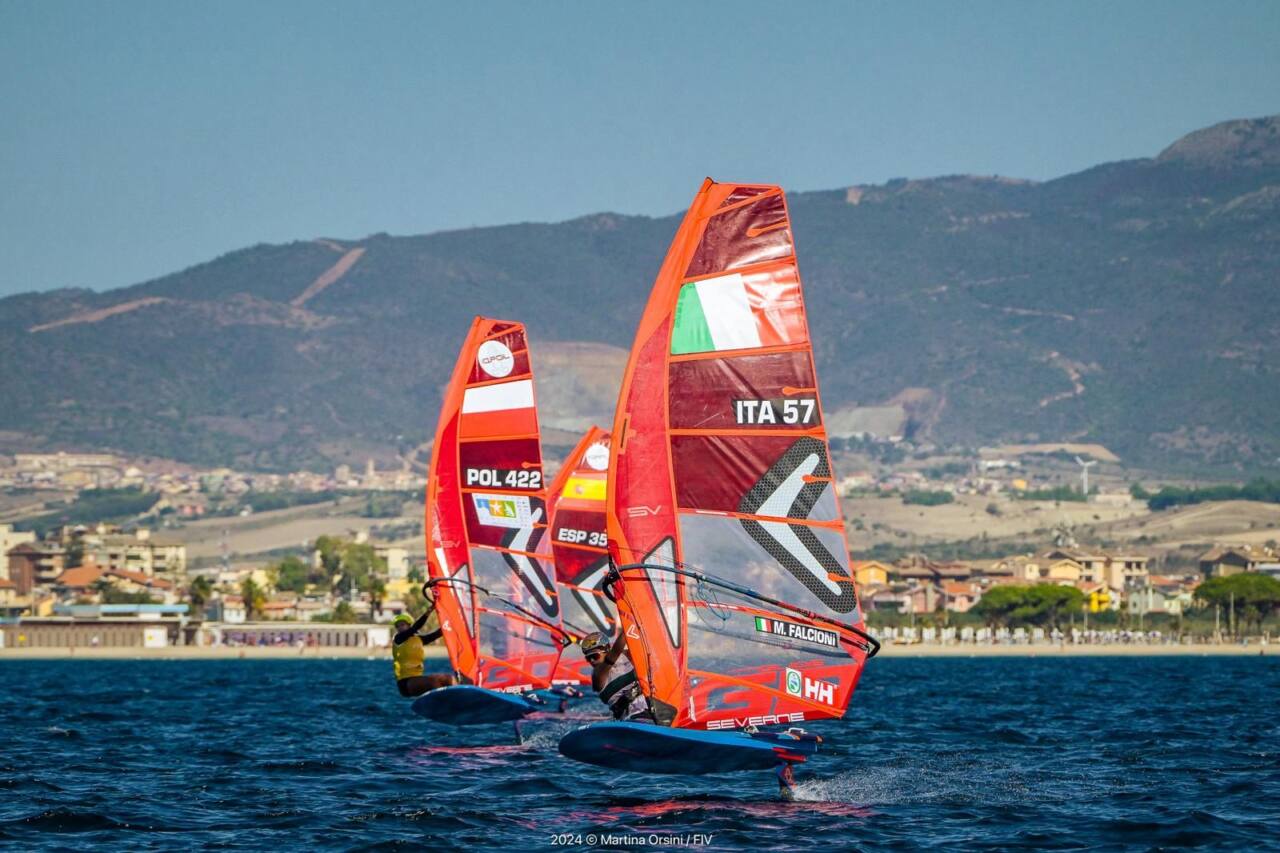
{"x": 487, "y": 549}
{"x": 721, "y": 467}
{"x": 579, "y": 544}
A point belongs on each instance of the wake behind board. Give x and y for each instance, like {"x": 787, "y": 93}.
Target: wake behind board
{"x": 467, "y": 705}
{"x": 646, "y": 748}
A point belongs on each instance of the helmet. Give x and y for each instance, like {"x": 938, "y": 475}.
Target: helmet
{"x": 594, "y": 642}
{"x": 402, "y": 618}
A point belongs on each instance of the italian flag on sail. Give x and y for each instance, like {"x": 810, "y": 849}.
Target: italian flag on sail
{"x": 730, "y": 312}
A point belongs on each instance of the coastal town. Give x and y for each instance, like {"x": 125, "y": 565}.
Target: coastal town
{"x": 157, "y": 580}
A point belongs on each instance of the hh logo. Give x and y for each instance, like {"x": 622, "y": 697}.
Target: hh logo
{"x": 642, "y": 510}
{"x": 810, "y": 688}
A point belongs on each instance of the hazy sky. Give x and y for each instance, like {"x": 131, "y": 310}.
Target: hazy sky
{"x": 140, "y": 138}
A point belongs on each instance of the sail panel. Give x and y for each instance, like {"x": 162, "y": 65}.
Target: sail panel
{"x": 760, "y": 308}
{"x": 774, "y": 391}
{"x": 751, "y": 233}
{"x": 758, "y": 475}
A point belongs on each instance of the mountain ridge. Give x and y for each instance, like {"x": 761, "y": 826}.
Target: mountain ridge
{"x": 1127, "y": 304}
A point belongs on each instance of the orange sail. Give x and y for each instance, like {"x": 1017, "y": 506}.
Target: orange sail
{"x": 487, "y": 546}
{"x": 578, "y": 542}
{"x": 722, "y": 515}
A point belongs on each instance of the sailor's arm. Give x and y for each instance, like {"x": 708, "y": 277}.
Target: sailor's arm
{"x": 427, "y": 639}
{"x": 615, "y": 651}
{"x": 408, "y": 632}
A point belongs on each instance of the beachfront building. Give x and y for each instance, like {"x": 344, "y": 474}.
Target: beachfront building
{"x": 101, "y": 625}
{"x": 1021, "y": 568}
{"x": 12, "y": 605}
{"x": 1060, "y": 570}
{"x": 867, "y": 573}
{"x": 397, "y": 560}
{"x": 35, "y": 564}
{"x": 1119, "y": 571}
{"x": 1172, "y": 594}
{"x": 298, "y": 635}
{"x": 9, "y": 539}
{"x": 228, "y": 609}
{"x": 1154, "y": 599}
{"x": 140, "y": 551}
{"x": 88, "y": 583}
{"x": 960, "y": 596}
{"x": 1226, "y": 560}
{"x": 1097, "y": 597}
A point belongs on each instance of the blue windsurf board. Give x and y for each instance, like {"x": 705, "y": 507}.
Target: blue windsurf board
{"x": 468, "y": 705}
{"x": 647, "y": 748}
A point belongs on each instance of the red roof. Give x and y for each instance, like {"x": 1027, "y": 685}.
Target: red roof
{"x": 81, "y": 576}
{"x": 140, "y": 578}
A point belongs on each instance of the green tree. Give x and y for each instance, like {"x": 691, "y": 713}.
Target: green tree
{"x": 1248, "y": 596}
{"x": 920, "y": 497}
{"x": 361, "y": 566}
{"x": 292, "y": 574}
{"x": 1041, "y": 605}
{"x": 377, "y": 594}
{"x": 199, "y": 593}
{"x": 254, "y": 598}
{"x": 344, "y": 612}
{"x": 330, "y": 548}
{"x": 998, "y": 603}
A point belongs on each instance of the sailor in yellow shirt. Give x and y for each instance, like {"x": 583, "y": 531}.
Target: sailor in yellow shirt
{"x": 407, "y": 651}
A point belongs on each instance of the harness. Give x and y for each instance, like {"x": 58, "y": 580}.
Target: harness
{"x": 622, "y": 691}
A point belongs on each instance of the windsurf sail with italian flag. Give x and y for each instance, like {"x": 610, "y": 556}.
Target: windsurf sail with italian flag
{"x": 723, "y": 521}
{"x": 488, "y": 552}
{"x": 579, "y": 544}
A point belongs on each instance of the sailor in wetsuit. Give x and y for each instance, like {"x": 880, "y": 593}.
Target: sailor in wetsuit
{"x": 613, "y": 677}
{"x": 407, "y": 652}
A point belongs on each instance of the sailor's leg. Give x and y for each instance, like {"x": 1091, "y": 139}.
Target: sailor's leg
{"x": 786, "y": 781}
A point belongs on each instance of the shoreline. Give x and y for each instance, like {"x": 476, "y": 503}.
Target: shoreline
{"x": 890, "y": 650}
{"x": 207, "y": 653}
{"x": 962, "y": 650}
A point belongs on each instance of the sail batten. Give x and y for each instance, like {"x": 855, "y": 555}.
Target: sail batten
{"x": 736, "y": 590}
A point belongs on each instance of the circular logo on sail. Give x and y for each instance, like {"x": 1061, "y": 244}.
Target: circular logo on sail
{"x": 793, "y": 681}
{"x": 495, "y": 359}
{"x": 597, "y": 457}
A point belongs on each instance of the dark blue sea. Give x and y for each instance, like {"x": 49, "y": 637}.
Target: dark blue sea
{"x": 1088, "y": 753}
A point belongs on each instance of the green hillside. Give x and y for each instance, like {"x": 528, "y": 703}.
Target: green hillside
{"x": 1130, "y": 305}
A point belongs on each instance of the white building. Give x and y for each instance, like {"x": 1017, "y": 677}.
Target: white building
{"x": 10, "y": 538}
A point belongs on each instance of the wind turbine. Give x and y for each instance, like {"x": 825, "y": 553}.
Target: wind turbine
{"x": 1084, "y": 474}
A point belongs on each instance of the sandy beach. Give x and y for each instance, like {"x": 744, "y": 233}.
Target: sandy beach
{"x": 916, "y": 650}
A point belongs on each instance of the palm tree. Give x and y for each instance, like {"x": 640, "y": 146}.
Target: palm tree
{"x": 199, "y": 592}
{"x": 254, "y": 598}
{"x": 377, "y": 592}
